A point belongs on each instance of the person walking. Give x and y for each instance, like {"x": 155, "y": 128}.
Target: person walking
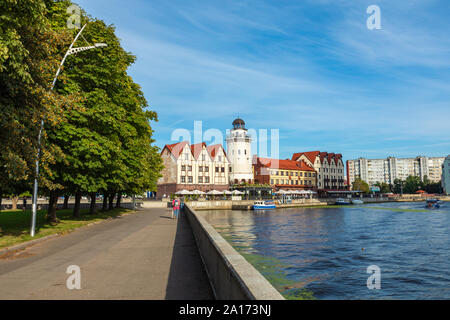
{"x": 175, "y": 208}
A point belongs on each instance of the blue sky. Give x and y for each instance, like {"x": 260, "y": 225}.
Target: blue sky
{"x": 310, "y": 68}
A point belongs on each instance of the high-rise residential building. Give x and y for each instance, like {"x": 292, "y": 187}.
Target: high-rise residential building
{"x": 239, "y": 153}
{"x": 193, "y": 167}
{"x": 446, "y": 175}
{"x": 389, "y": 169}
{"x": 284, "y": 174}
{"x": 328, "y": 166}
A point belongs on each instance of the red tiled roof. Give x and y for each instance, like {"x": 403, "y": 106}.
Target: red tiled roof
{"x": 197, "y": 148}
{"x": 176, "y": 148}
{"x": 312, "y": 155}
{"x": 284, "y": 164}
{"x": 213, "y": 150}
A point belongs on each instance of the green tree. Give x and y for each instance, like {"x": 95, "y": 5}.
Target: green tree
{"x": 360, "y": 185}
{"x": 30, "y": 52}
{"x": 106, "y": 144}
{"x": 412, "y": 184}
{"x": 384, "y": 187}
{"x": 399, "y": 186}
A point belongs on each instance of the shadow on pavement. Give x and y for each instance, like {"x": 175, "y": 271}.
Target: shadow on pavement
{"x": 187, "y": 276}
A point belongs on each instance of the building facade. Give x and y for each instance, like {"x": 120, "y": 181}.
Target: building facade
{"x": 328, "y": 166}
{"x": 389, "y": 169}
{"x": 445, "y": 177}
{"x": 284, "y": 174}
{"x": 193, "y": 167}
{"x": 239, "y": 153}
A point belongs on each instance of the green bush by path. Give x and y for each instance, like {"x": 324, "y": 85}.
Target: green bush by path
{"x": 15, "y": 224}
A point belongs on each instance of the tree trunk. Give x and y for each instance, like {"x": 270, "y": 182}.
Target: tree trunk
{"x": 111, "y": 201}
{"x": 105, "y": 202}
{"x": 15, "y": 200}
{"x": 66, "y": 201}
{"x": 119, "y": 198}
{"x": 92, "y": 208}
{"x": 76, "y": 208}
{"x": 24, "y": 206}
{"x": 1, "y": 199}
{"x": 52, "y": 204}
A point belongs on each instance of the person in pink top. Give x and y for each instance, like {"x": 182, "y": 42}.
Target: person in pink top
{"x": 175, "y": 208}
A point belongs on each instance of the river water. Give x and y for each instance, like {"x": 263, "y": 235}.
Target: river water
{"x": 324, "y": 253}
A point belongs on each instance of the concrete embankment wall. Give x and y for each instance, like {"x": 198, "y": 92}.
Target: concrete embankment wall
{"x": 230, "y": 275}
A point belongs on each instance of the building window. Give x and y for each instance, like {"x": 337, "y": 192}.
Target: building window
{"x": 200, "y": 179}
{"x": 217, "y": 169}
{"x": 301, "y": 174}
{"x": 200, "y": 169}
{"x": 183, "y": 168}
{"x": 245, "y": 151}
{"x": 220, "y": 158}
{"x": 239, "y": 152}
{"x": 190, "y": 180}
{"x": 282, "y": 173}
{"x": 206, "y": 169}
{"x": 206, "y": 179}
{"x": 186, "y": 156}
{"x": 183, "y": 179}
{"x": 189, "y": 168}
{"x": 203, "y": 157}
{"x": 231, "y": 169}
{"x": 223, "y": 169}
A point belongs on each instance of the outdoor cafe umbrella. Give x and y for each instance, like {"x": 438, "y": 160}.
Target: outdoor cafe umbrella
{"x": 184, "y": 192}
{"x": 227, "y": 192}
{"x": 237, "y": 192}
{"x": 198, "y": 192}
{"x": 214, "y": 193}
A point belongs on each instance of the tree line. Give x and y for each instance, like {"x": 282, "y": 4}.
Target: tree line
{"x": 97, "y": 137}
{"x": 410, "y": 185}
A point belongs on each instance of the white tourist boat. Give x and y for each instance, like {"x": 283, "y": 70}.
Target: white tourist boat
{"x": 357, "y": 201}
{"x": 342, "y": 202}
{"x": 264, "y": 205}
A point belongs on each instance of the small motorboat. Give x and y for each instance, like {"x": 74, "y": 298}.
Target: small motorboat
{"x": 357, "y": 201}
{"x": 264, "y": 205}
{"x": 433, "y": 204}
{"x": 342, "y": 202}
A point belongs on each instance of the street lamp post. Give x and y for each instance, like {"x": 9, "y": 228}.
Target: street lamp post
{"x": 35, "y": 186}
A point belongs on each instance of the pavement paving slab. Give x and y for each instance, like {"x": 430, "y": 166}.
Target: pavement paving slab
{"x": 145, "y": 256}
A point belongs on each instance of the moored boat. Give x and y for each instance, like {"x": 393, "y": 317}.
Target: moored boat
{"x": 357, "y": 201}
{"x": 433, "y": 204}
{"x": 342, "y": 202}
{"x": 264, "y": 205}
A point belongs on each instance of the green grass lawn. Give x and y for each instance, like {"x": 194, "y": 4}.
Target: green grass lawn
{"x": 15, "y": 224}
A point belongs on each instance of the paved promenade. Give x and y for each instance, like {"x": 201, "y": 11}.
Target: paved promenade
{"x": 139, "y": 256}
